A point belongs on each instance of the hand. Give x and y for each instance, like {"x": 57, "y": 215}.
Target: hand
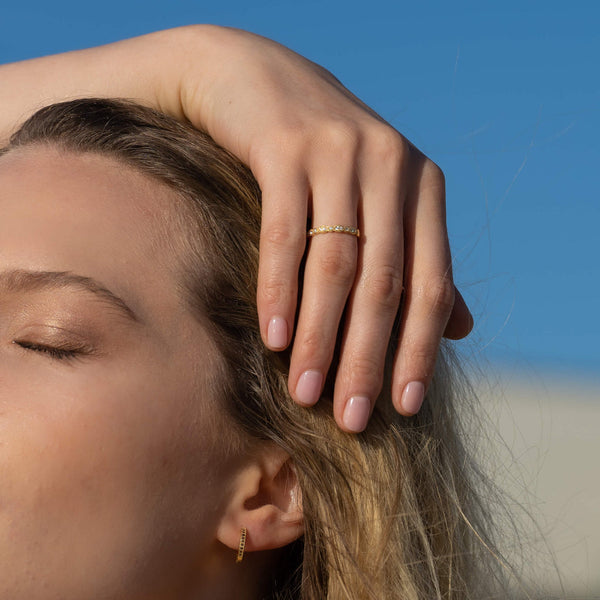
{"x": 318, "y": 152}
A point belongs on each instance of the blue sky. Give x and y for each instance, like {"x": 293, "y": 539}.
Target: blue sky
{"x": 504, "y": 96}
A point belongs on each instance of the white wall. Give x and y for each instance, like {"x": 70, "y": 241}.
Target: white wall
{"x": 552, "y": 465}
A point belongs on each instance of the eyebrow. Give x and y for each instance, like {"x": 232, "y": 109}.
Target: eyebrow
{"x": 22, "y": 280}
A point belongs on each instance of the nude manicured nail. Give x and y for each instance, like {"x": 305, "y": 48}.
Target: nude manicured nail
{"x": 277, "y": 333}
{"x": 412, "y": 397}
{"x": 356, "y": 414}
{"x": 308, "y": 389}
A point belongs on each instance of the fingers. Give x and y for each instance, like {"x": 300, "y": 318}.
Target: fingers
{"x": 430, "y": 292}
{"x": 282, "y": 245}
{"x": 375, "y": 298}
{"x": 403, "y": 243}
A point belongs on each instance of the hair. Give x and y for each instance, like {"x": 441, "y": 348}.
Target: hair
{"x": 398, "y": 511}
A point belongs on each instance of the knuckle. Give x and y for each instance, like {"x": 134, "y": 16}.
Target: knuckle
{"x": 422, "y": 358}
{"x": 434, "y": 175}
{"x": 384, "y": 285}
{"x": 281, "y": 236}
{"x": 338, "y": 264}
{"x": 313, "y": 344}
{"x": 438, "y": 294}
{"x": 285, "y": 138}
{"x": 389, "y": 148}
{"x": 366, "y": 372}
{"x": 340, "y": 135}
{"x": 275, "y": 292}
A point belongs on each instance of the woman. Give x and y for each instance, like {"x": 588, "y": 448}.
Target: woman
{"x": 148, "y": 436}
{"x": 317, "y": 152}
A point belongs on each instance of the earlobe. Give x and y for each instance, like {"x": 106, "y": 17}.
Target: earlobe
{"x": 266, "y": 501}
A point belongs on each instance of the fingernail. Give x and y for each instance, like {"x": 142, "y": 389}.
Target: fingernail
{"x": 308, "y": 389}
{"x": 277, "y": 333}
{"x": 412, "y": 397}
{"x": 356, "y": 414}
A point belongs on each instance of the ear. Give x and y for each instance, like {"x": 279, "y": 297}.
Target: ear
{"x": 266, "y": 500}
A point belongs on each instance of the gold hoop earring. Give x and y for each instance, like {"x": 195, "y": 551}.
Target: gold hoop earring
{"x": 242, "y": 546}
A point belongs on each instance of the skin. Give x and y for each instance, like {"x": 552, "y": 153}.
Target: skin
{"x": 115, "y": 477}
{"x": 317, "y": 151}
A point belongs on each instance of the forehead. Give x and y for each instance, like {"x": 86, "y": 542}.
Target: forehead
{"x": 88, "y": 214}
{"x": 87, "y": 183}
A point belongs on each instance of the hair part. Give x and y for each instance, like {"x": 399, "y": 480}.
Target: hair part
{"x": 393, "y": 512}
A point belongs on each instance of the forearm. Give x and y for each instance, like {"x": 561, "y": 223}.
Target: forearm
{"x": 148, "y": 69}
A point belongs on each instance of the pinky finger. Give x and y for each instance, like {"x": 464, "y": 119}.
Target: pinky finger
{"x": 430, "y": 292}
{"x": 426, "y": 311}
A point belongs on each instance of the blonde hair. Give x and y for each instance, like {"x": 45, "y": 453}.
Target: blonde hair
{"x": 395, "y": 512}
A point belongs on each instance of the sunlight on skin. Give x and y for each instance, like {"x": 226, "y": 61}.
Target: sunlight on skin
{"x": 101, "y": 451}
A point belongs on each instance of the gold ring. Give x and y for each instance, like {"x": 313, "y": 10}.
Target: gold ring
{"x": 334, "y": 229}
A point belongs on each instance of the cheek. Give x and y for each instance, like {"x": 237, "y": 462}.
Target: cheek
{"x": 117, "y": 476}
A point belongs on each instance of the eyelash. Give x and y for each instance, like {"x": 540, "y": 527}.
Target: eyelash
{"x": 66, "y": 354}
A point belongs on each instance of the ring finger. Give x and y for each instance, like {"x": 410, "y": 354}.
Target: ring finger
{"x": 328, "y": 278}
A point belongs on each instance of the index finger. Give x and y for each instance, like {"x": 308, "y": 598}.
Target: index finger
{"x": 282, "y": 245}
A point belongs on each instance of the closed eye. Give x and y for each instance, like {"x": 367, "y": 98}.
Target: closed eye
{"x": 56, "y": 353}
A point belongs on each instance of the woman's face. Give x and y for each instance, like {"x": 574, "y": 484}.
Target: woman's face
{"x": 111, "y": 460}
